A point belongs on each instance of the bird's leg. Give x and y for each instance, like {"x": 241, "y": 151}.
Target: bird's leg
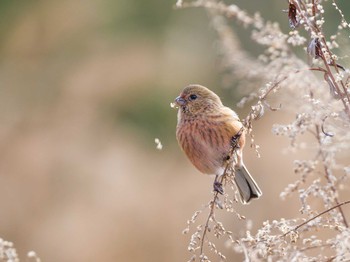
{"x": 218, "y": 186}
{"x": 234, "y": 145}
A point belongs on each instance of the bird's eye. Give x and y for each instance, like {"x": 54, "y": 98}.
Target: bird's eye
{"x": 193, "y": 97}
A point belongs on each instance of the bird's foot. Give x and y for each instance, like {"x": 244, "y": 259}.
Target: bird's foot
{"x": 235, "y": 138}
{"x": 218, "y": 187}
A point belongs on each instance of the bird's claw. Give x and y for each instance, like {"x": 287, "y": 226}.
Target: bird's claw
{"x": 218, "y": 187}
{"x": 235, "y": 138}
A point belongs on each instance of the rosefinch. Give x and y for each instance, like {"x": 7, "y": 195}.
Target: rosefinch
{"x": 205, "y": 129}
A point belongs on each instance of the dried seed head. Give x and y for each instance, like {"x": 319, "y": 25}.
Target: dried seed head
{"x": 292, "y": 16}
{"x": 314, "y": 48}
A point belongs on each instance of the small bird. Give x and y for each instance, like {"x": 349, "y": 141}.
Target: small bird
{"x": 205, "y": 130}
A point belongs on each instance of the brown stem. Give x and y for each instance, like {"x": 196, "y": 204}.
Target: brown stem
{"x": 328, "y": 176}
{"x": 221, "y": 179}
{"x": 275, "y": 84}
{"x": 314, "y": 247}
{"x": 313, "y": 26}
{"x": 211, "y": 214}
{"x": 313, "y": 218}
{"x": 314, "y": 10}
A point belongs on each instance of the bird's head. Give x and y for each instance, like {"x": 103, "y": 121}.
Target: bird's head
{"x": 195, "y": 99}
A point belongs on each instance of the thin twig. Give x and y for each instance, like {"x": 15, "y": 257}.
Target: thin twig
{"x": 211, "y": 213}
{"x": 272, "y": 87}
{"x": 314, "y": 247}
{"x": 235, "y": 139}
{"x": 327, "y": 175}
{"x": 313, "y": 218}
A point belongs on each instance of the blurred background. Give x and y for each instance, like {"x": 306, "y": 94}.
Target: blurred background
{"x": 85, "y": 88}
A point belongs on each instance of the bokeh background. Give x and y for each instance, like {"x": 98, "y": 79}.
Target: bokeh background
{"x": 85, "y": 88}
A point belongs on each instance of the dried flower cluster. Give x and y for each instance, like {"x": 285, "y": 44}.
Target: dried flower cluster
{"x": 8, "y": 253}
{"x": 316, "y": 88}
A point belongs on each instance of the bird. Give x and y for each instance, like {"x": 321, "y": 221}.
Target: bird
{"x": 205, "y": 131}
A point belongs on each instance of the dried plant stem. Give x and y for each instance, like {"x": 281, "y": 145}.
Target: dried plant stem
{"x": 313, "y": 27}
{"x": 229, "y": 162}
{"x": 275, "y": 85}
{"x": 313, "y": 218}
{"x": 335, "y": 198}
{"x": 210, "y": 216}
{"x": 328, "y": 176}
{"x": 314, "y": 247}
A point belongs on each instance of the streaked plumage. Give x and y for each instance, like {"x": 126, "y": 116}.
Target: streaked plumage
{"x": 204, "y": 131}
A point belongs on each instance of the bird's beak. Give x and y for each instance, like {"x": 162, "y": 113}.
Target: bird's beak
{"x": 180, "y": 101}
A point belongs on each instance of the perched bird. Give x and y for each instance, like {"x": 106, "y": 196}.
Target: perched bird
{"x": 205, "y": 129}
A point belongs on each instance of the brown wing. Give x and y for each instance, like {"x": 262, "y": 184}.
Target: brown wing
{"x": 232, "y": 122}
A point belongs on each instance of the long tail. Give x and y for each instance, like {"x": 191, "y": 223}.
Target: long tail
{"x": 247, "y": 187}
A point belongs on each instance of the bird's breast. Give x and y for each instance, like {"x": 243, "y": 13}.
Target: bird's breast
{"x": 206, "y": 142}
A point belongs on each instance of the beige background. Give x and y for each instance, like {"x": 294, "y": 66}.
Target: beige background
{"x": 85, "y": 89}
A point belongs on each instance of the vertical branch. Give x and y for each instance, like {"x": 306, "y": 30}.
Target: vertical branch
{"x": 328, "y": 176}
{"x": 316, "y": 216}
{"x": 302, "y": 10}
{"x": 210, "y": 216}
{"x": 229, "y": 163}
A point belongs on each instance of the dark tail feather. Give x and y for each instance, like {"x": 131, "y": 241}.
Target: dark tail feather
{"x": 246, "y": 185}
